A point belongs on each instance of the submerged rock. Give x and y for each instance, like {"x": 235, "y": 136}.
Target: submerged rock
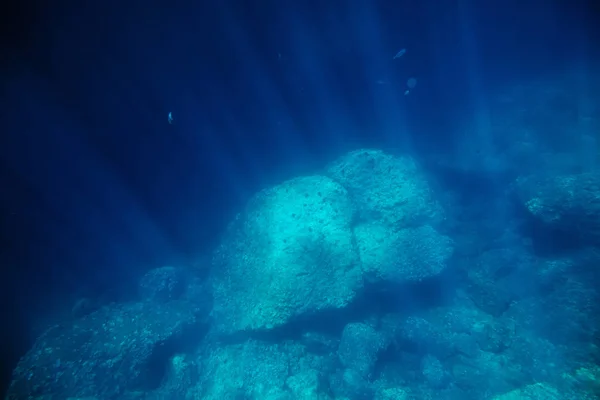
{"x": 387, "y": 189}
{"x": 291, "y": 253}
{"x": 567, "y": 203}
{"x": 309, "y": 245}
{"x": 106, "y": 354}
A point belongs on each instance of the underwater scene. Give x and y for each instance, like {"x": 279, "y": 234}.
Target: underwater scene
{"x": 302, "y": 200}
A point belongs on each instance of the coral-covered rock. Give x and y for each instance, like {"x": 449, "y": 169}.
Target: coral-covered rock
{"x": 257, "y": 370}
{"x": 163, "y": 284}
{"x": 291, "y": 253}
{"x": 568, "y": 203}
{"x": 390, "y": 190}
{"x": 360, "y": 347}
{"x": 536, "y": 391}
{"x": 400, "y": 256}
{"x": 306, "y": 246}
{"x": 106, "y": 354}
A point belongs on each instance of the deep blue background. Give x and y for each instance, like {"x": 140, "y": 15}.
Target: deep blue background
{"x": 97, "y": 186}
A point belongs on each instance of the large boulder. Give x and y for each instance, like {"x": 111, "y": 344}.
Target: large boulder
{"x": 385, "y": 188}
{"x": 259, "y": 370}
{"x": 307, "y": 246}
{"x": 360, "y": 346}
{"x": 290, "y": 254}
{"x": 536, "y": 391}
{"x": 163, "y": 284}
{"x": 110, "y": 353}
{"x": 567, "y": 203}
{"x": 396, "y": 215}
{"x": 401, "y": 256}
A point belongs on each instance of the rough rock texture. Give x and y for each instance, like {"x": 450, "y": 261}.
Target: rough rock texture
{"x": 384, "y": 188}
{"x": 106, "y": 354}
{"x": 433, "y": 371}
{"x": 333, "y": 262}
{"x": 258, "y": 370}
{"x": 537, "y": 391}
{"x": 359, "y": 348}
{"x": 499, "y": 277}
{"x": 301, "y": 247}
{"x": 400, "y": 256}
{"x": 289, "y": 254}
{"x": 569, "y": 203}
{"x": 394, "y": 393}
{"x": 163, "y": 284}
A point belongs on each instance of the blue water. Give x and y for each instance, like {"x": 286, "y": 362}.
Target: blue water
{"x": 300, "y": 200}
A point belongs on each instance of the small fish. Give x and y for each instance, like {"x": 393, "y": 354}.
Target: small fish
{"x": 170, "y": 118}
{"x": 411, "y": 83}
{"x": 399, "y": 54}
